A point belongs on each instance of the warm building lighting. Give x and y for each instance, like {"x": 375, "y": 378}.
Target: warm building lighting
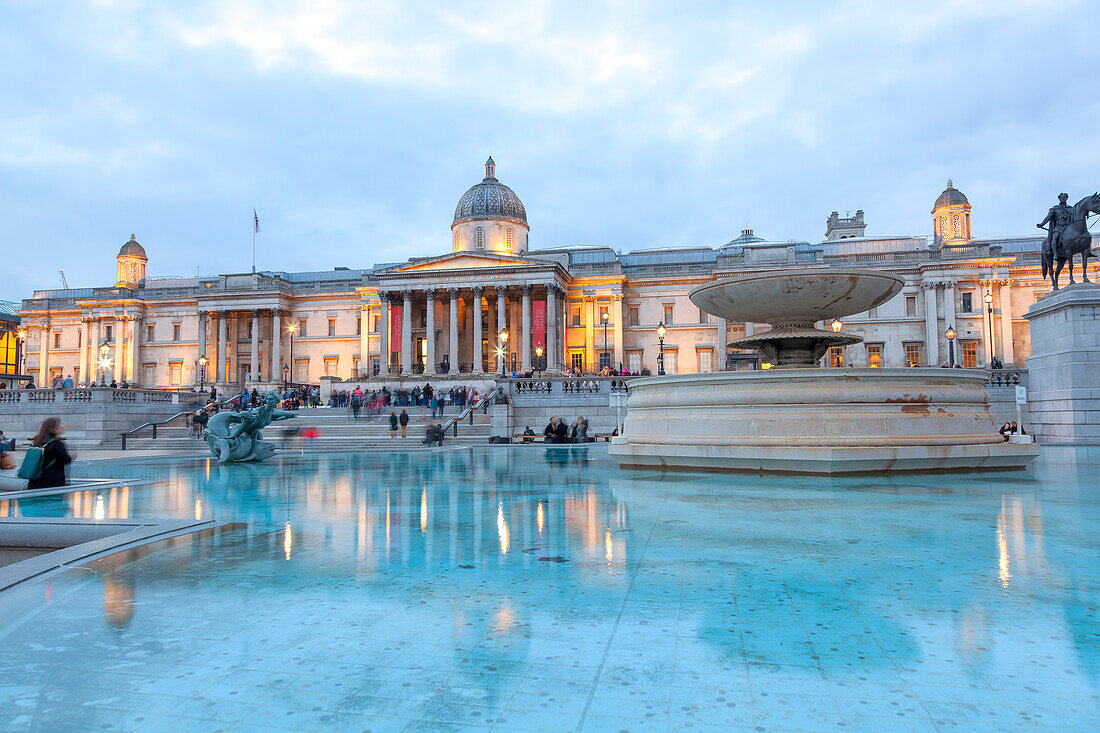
{"x": 503, "y": 335}
{"x": 837, "y": 325}
{"x": 202, "y": 360}
{"x": 538, "y": 351}
{"x": 21, "y": 334}
{"x": 661, "y": 330}
{"x": 291, "y": 328}
{"x": 989, "y": 298}
{"x": 949, "y": 334}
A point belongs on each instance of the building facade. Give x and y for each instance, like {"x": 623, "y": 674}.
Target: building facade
{"x": 491, "y": 304}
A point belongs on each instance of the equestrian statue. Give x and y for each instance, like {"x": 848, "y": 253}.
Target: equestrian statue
{"x": 235, "y": 436}
{"x": 1068, "y": 235}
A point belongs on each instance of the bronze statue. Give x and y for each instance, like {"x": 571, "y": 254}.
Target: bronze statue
{"x": 235, "y": 436}
{"x": 1068, "y": 235}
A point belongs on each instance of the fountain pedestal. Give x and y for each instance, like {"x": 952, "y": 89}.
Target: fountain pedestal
{"x": 800, "y": 418}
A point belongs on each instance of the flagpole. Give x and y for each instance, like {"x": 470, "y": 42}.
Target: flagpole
{"x": 253, "y": 250}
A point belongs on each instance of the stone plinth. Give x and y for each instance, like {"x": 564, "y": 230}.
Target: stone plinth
{"x": 1064, "y": 369}
{"x": 816, "y": 421}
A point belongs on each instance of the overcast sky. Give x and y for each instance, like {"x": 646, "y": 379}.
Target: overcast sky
{"x": 354, "y": 127}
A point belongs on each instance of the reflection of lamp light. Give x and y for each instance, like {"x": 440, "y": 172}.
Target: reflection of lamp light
{"x": 118, "y": 603}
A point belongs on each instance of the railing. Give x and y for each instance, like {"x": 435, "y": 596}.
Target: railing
{"x": 481, "y": 403}
{"x": 567, "y": 385}
{"x": 104, "y": 395}
{"x": 155, "y": 425}
{"x": 1007, "y": 378}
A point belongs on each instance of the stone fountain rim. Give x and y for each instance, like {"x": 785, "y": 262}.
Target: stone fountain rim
{"x": 970, "y": 374}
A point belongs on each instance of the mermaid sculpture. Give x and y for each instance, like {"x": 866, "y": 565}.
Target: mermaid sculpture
{"x": 235, "y": 436}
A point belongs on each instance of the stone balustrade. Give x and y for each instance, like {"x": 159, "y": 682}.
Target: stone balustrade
{"x": 98, "y": 395}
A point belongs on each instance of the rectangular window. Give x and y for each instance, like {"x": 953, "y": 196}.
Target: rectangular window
{"x": 330, "y": 366}
{"x": 359, "y": 326}
{"x": 108, "y": 334}
{"x": 76, "y": 375}
{"x": 704, "y": 317}
{"x": 301, "y": 370}
{"x": 874, "y": 356}
{"x": 576, "y": 360}
{"x": 910, "y": 305}
{"x": 301, "y": 328}
{"x": 970, "y": 353}
{"x": 605, "y": 315}
{"x": 150, "y": 330}
{"x": 670, "y": 361}
{"x": 375, "y": 321}
{"x": 575, "y": 317}
{"x": 634, "y": 362}
{"x": 332, "y": 327}
{"x": 834, "y": 357}
{"x": 605, "y": 359}
{"x": 355, "y": 366}
{"x": 668, "y": 318}
{"x": 176, "y": 331}
{"x": 705, "y": 358}
{"x": 375, "y": 365}
{"x": 175, "y": 373}
{"x": 912, "y": 355}
{"x": 57, "y": 340}
{"x": 632, "y": 314}
{"x": 149, "y": 375}
{"x": 968, "y": 302}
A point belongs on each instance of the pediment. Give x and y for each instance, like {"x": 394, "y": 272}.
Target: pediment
{"x": 466, "y": 261}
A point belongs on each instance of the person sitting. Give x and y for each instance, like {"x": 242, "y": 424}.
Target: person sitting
{"x": 1017, "y": 429}
{"x": 580, "y": 431}
{"x": 434, "y": 435}
{"x": 561, "y": 433}
{"x": 1005, "y": 430}
{"x": 527, "y": 434}
{"x": 550, "y": 430}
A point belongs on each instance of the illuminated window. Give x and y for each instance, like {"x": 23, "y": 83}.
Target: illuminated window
{"x": 912, "y": 355}
{"x": 705, "y": 359}
{"x": 508, "y": 238}
{"x": 970, "y": 353}
{"x": 835, "y": 356}
{"x": 175, "y": 373}
{"x": 479, "y": 237}
{"x": 874, "y": 356}
{"x": 576, "y": 360}
{"x": 634, "y": 361}
{"x": 957, "y": 226}
{"x": 670, "y": 361}
{"x": 330, "y": 366}
{"x": 456, "y": 240}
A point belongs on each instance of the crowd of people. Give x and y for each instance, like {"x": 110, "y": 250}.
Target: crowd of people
{"x": 1011, "y": 428}
{"x": 556, "y": 431}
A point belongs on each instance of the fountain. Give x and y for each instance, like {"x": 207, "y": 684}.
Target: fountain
{"x": 799, "y": 418}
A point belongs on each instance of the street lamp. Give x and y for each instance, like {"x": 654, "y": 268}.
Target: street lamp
{"x": 605, "y": 316}
{"x": 989, "y": 313}
{"x": 286, "y": 373}
{"x": 661, "y": 331}
{"x": 538, "y": 355}
{"x": 291, "y": 328}
{"x": 836, "y": 325}
{"x": 502, "y": 337}
{"x": 21, "y": 334}
{"x": 949, "y": 334}
{"x": 202, "y": 372}
{"x": 104, "y": 361}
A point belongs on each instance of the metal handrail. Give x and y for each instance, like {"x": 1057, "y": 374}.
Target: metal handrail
{"x": 482, "y": 403}
{"x": 154, "y": 425}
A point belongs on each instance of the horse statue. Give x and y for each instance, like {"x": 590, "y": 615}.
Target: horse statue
{"x": 235, "y": 436}
{"x": 1076, "y": 239}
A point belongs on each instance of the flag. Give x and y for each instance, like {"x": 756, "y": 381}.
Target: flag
{"x": 255, "y": 221}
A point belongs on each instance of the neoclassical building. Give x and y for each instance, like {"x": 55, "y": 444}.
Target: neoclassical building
{"x": 493, "y": 304}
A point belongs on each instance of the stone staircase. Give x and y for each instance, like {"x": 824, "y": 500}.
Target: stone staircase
{"x": 336, "y": 431}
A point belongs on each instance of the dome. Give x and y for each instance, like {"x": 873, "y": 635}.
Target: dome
{"x": 490, "y": 199}
{"x": 951, "y": 196}
{"x": 132, "y": 249}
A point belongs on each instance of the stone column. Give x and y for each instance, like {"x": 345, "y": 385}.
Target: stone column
{"x": 502, "y": 324}
{"x": 202, "y": 334}
{"x": 1007, "y": 352}
{"x": 364, "y": 340}
{"x": 93, "y": 361}
{"x": 452, "y": 329}
{"x": 617, "y": 329}
{"x": 931, "y": 325}
{"x": 219, "y": 370}
{"x": 254, "y": 357}
{"x": 135, "y": 348}
{"x": 384, "y": 333}
{"x": 525, "y": 329}
{"x": 276, "y": 371}
{"x": 591, "y": 363}
{"x": 429, "y": 359}
{"x": 85, "y": 348}
{"x": 551, "y": 326}
{"x": 45, "y": 334}
{"x": 721, "y": 357}
{"x": 406, "y": 332}
{"x": 479, "y": 365}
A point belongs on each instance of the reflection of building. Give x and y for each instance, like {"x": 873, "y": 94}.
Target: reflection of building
{"x": 11, "y": 344}
{"x": 583, "y": 305}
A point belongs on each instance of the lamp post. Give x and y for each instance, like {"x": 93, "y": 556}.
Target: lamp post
{"x": 661, "y": 331}
{"x": 949, "y": 334}
{"x": 502, "y": 337}
{"x": 21, "y": 334}
{"x": 104, "y": 361}
{"x": 836, "y": 325}
{"x": 605, "y": 316}
{"x": 202, "y": 372}
{"x": 538, "y": 356}
{"x": 286, "y": 374}
{"x": 989, "y": 315}
{"x": 291, "y": 328}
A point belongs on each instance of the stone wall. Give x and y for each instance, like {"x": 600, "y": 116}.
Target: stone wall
{"x": 90, "y": 416}
{"x": 534, "y": 401}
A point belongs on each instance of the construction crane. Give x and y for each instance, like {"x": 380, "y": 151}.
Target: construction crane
{"x": 64, "y": 282}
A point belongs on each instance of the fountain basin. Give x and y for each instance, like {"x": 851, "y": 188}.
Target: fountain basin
{"x": 816, "y": 421}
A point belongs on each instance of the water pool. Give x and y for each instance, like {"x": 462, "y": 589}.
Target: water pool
{"x": 542, "y": 588}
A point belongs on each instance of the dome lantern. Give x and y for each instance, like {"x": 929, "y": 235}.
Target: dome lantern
{"x": 131, "y": 261}
{"x": 951, "y": 218}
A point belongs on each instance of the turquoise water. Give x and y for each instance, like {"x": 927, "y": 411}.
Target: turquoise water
{"x": 535, "y": 588}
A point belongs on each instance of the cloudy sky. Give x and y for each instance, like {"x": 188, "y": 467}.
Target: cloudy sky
{"x": 354, "y": 127}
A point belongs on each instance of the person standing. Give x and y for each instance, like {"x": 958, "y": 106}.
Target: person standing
{"x": 356, "y": 405}
{"x": 404, "y": 420}
{"x": 393, "y": 424}
{"x": 55, "y": 456}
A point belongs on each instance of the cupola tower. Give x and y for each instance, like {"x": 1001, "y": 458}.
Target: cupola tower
{"x": 131, "y": 264}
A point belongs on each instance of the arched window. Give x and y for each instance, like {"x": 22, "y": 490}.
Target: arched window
{"x": 456, "y": 240}
{"x": 480, "y": 236}
{"x": 508, "y": 239}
